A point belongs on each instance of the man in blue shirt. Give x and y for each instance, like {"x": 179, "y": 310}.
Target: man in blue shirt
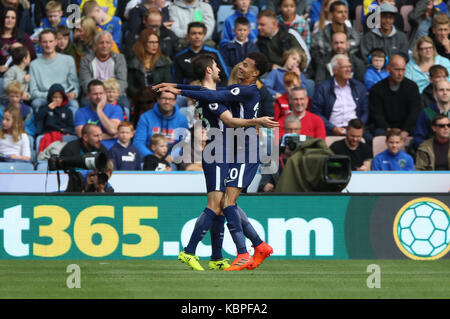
{"x": 393, "y": 159}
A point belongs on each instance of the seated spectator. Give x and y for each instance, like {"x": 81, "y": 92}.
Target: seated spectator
{"x": 106, "y": 22}
{"x": 136, "y": 10}
{"x": 237, "y": 49}
{"x": 360, "y": 153}
{"x": 420, "y": 19}
{"x": 163, "y": 118}
{"x": 160, "y": 158}
{"x": 123, "y": 153}
{"x": 369, "y": 7}
{"x": 291, "y": 19}
{"x": 242, "y": 10}
{"x": 23, "y": 16}
{"x": 311, "y": 124}
{"x": 83, "y": 36}
{"x": 301, "y": 7}
{"x": 393, "y": 158}
{"x": 294, "y": 61}
{"x": 395, "y": 101}
{"x": 112, "y": 91}
{"x": 18, "y": 71}
{"x": 107, "y": 116}
{"x": 184, "y": 12}
{"x": 386, "y": 37}
{"x": 340, "y": 98}
{"x": 424, "y": 56}
{"x": 441, "y": 105}
{"x": 52, "y": 67}
{"x": 324, "y": 15}
{"x": 90, "y": 141}
{"x": 55, "y": 119}
{"x": 14, "y": 93}
{"x": 148, "y": 66}
{"x": 65, "y": 45}
{"x": 14, "y": 142}
{"x": 281, "y": 104}
{"x": 437, "y": 73}
{"x": 377, "y": 68}
{"x": 107, "y": 6}
{"x": 440, "y": 34}
{"x": 197, "y": 144}
{"x": 104, "y": 64}
{"x": 53, "y": 16}
{"x": 39, "y": 11}
{"x": 182, "y": 66}
{"x": 434, "y": 153}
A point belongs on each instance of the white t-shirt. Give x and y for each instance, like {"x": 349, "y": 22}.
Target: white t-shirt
{"x": 21, "y": 147}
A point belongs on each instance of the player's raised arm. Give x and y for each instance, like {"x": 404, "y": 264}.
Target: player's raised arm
{"x": 233, "y": 122}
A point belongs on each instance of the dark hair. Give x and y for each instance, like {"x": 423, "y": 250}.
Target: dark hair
{"x": 94, "y": 82}
{"x": 3, "y": 18}
{"x": 437, "y": 118}
{"x": 378, "y": 52}
{"x": 18, "y": 54}
{"x": 261, "y": 62}
{"x": 62, "y": 29}
{"x": 336, "y": 4}
{"x": 356, "y": 124}
{"x": 200, "y": 63}
{"x": 86, "y": 129}
{"x": 196, "y": 24}
{"x": 241, "y": 21}
{"x": 46, "y": 31}
{"x": 438, "y": 68}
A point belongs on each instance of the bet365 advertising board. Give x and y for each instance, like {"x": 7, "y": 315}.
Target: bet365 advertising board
{"x": 158, "y": 226}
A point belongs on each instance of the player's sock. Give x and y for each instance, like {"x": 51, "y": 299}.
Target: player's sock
{"x": 202, "y": 225}
{"x": 216, "y": 233}
{"x": 248, "y": 229}
{"x": 234, "y": 226}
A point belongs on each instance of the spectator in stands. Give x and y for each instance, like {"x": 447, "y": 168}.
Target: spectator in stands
{"x": 14, "y": 93}
{"x": 112, "y": 91}
{"x": 90, "y": 141}
{"x": 160, "y": 159}
{"x": 434, "y": 153}
{"x": 163, "y": 118}
{"x": 420, "y": 19}
{"x": 135, "y": 14}
{"x": 386, "y": 37}
{"x": 393, "y": 158}
{"x": 371, "y": 5}
{"x": 83, "y": 36}
{"x": 182, "y": 66}
{"x": 14, "y": 142}
{"x": 153, "y": 20}
{"x": 148, "y": 65}
{"x": 377, "y": 68}
{"x": 340, "y": 98}
{"x": 11, "y": 36}
{"x": 40, "y": 9}
{"x": 395, "y": 101}
{"x": 423, "y": 130}
{"x": 184, "y": 12}
{"x": 301, "y": 6}
{"x": 311, "y": 124}
{"x": 53, "y": 16}
{"x": 241, "y": 8}
{"x": 440, "y": 34}
{"x": 123, "y": 153}
{"x": 320, "y": 68}
{"x": 106, "y": 22}
{"x": 324, "y": 16}
{"x": 360, "y": 153}
{"x": 65, "y": 45}
{"x": 424, "y": 56}
{"x": 22, "y": 8}
{"x": 275, "y": 39}
{"x": 437, "y": 73}
{"x": 55, "y": 119}
{"x": 281, "y": 104}
{"x": 52, "y": 67}
{"x": 321, "y": 41}
{"x": 110, "y": 7}
{"x": 104, "y": 64}
{"x": 291, "y": 19}
{"x": 18, "y": 71}
{"x": 237, "y": 49}
{"x": 107, "y": 116}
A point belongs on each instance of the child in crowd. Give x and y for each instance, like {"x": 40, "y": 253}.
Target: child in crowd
{"x": 242, "y": 10}
{"x": 160, "y": 160}
{"x": 65, "y": 46}
{"x": 125, "y": 155}
{"x": 14, "y": 142}
{"x": 54, "y": 16}
{"x": 55, "y": 119}
{"x": 292, "y": 20}
{"x": 237, "y": 49}
{"x": 393, "y": 159}
{"x": 112, "y": 24}
{"x": 112, "y": 89}
{"x": 281, "y": 104}
{"x": 17, "y": 72}
{"x": 376, "y": 70}
{"x": 14, "y": 93}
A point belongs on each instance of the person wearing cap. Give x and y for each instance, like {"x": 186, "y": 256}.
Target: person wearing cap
{"x": 384, "y": 35}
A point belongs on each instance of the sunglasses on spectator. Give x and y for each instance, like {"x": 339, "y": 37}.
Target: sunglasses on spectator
{"x": 443, "y": 125}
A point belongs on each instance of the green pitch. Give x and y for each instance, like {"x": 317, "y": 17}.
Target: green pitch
{"x": 274, "y": 279}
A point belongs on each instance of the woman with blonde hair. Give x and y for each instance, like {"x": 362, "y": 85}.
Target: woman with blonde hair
{"x": 423, "y": 58}
{"x": 14, "y": 142}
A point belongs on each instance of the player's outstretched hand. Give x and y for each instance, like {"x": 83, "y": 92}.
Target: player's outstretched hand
{"x": 170, "y": 89}
{"x": 268, "y": 122}
{"x": 164, "y": 84}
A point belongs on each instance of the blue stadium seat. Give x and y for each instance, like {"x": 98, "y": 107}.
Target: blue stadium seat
{"x": 41, "y": 166}
{"x": 16, "y": 166}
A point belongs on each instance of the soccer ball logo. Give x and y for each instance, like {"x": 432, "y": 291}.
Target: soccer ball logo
{"x": 422, "y": 229}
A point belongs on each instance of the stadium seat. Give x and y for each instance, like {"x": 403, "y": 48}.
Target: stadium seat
{"x": 378, "y": 144}
{"x": 41, "y": 166}
{"x": 16, "y": 166}
{"x": 404, "y": 11}
{"x": 331, "y": 139}
{"x": 69, "y": 138}
{"x": 358, "y": 22}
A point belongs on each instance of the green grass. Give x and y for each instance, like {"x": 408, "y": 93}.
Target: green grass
{"x": 163, "y": 279}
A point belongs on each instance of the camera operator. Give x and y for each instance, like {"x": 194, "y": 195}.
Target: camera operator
{"x": 90, "y": 142}
{"x": 97, "y": 180}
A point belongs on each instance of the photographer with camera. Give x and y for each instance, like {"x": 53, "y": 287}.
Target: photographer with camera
{"x": 90, "y": 142}
{"x": 97, "y": 180}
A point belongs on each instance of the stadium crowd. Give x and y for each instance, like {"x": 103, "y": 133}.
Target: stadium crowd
{"x": 370, "y": 77}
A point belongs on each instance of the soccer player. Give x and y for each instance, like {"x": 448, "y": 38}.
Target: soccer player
{"x": 243, "y": 100}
